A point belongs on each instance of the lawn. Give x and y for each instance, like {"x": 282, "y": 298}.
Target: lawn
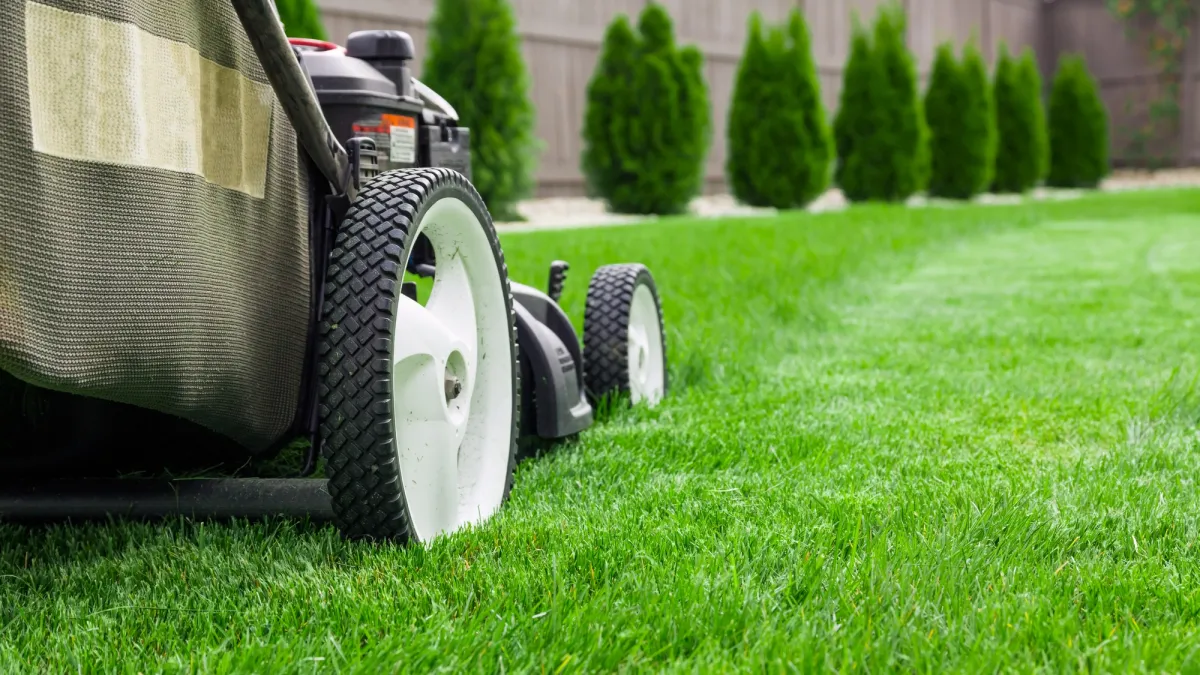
{"x": 939, "y": 439}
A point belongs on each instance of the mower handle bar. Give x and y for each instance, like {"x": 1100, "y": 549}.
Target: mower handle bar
{"x": 261, "y": 23}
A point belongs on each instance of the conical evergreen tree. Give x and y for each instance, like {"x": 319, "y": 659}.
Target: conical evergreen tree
{"x": 647, "y": 124}
{"x": 1013, "y": 156}
{"x": 474, "y": 61}
{"x": 855, "y": 107}
{"x": 1020, "y": 124}
{"x": 756, "y": 170}
{"x": 981, "y": 119}
{"x": 605, "y": 132}
{"x": 1029, "y": 77}
{"x": 944, "y": 103}
{"x": 813, "y": 157}
{"x": 886, "y": 159}
{"x": 959, "y": 112}
{"x": 899, "y": 139}
{"x": 777, "y": 105}
{"x": 698, "y": 113}
{"x": 1078, "y": 128}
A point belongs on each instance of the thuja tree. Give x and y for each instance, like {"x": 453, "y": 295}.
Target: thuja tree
{"x": 780, "y": 150}
{"x": 1021, "y": 151}
{"x": 647, "y": 124}
{"x": 1078, "y": 128}
{"x": 1029, "y": 75}
{"x": 474, "y": 61}
{"x": 883, "y": 132}
{"x": 959, "y": 113}
{"x": 755, "y": 167}
{"x": 855, "y": 115}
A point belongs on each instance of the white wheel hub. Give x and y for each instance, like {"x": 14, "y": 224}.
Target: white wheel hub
{"x": 645, "y": 358}
{"x": 452, "y": 384}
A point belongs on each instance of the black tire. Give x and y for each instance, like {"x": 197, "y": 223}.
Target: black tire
{"x": 610, "y": 295}
{"x": 362, "y": 287}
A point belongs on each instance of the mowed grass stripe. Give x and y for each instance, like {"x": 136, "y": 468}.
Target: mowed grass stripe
{"x": 932, "y": 440}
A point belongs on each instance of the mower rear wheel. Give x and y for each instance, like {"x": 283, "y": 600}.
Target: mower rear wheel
{"x": 419, "y": 404}
{"x": 624, "y": 350}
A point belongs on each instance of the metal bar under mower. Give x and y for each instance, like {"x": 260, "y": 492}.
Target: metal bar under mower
{"x": 145, "y": 499}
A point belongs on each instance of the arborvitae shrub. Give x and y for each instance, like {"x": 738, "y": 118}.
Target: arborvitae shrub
{"x": 1014, "y": 157}
{"x": 779, "y": 144}
{"x": 301, "y": 19}
{"x": 1030, "y": 81}
{"x": 1078, "y": 128}
{"x": 924, "y": 159}
{"x": 698, "y": 111}
{"x": 944, "y": 103}
{"x": 981, "y": 118}
{"x": 605, "y": 132}
{"x": 1020, "y": 124}
{"x": 474, "y": 61}
{"x": 885, "y": 158}
{"x": 854, "y": 117}
{"x": 814, "y": 157}
{"x": 959, "y": 113}
{"x": 647, "y": 123}
{"x": 754, "y": 166}
{"x": 902, "y": 106}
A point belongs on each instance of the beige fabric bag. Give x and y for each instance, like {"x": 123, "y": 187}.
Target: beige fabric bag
{"x": 153, "y": 214}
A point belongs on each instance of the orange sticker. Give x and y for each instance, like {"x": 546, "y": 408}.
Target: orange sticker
{"x": 399, "y": 121}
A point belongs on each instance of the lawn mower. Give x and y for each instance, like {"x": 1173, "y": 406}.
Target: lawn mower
{"x": 214, "y": 241}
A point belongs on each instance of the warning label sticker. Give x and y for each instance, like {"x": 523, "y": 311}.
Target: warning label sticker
{"x": 403, "y": 138}
{"x": 395, "y": 139}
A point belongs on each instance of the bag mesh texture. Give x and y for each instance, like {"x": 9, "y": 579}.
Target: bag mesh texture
{"x": 149, "y": 286}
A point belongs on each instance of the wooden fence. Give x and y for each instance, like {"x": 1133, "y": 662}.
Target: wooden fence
{"x": 562, "y": 41}
{"x": 1129, "y": 81}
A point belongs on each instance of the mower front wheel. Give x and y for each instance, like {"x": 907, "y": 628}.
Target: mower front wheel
{"x": 419, "y": 404}
{"x": 624, "y": 350}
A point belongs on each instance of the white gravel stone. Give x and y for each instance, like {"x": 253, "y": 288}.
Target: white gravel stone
{"x": 574, "y": 212}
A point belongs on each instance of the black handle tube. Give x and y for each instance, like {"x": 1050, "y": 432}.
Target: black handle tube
{"x": 291, "y": 86}
{"x": 143, "y": 499}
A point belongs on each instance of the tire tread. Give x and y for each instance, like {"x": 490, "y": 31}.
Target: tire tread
{"x": 606, "y": 328}
{"x": 361, "y": 290}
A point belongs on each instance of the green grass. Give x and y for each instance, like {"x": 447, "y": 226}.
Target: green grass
{"x": 941, "y": 439}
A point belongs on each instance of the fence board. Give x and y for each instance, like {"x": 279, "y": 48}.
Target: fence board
{"x": 1129, "y": 81}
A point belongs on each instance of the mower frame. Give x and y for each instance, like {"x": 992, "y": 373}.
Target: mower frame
{"x": 554, "y": 394}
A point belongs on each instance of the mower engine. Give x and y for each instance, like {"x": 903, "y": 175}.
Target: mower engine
{"x": 366, "y": 89}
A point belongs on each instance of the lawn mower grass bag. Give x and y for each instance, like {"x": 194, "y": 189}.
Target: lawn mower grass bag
{"x": 154, "y": 225}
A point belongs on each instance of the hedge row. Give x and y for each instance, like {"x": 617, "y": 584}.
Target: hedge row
{"x": 970, "y": 133}
{"x": 647, "y": 125}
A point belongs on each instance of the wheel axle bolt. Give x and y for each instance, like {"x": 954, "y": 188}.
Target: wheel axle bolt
{"x": 453, "y": 388}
